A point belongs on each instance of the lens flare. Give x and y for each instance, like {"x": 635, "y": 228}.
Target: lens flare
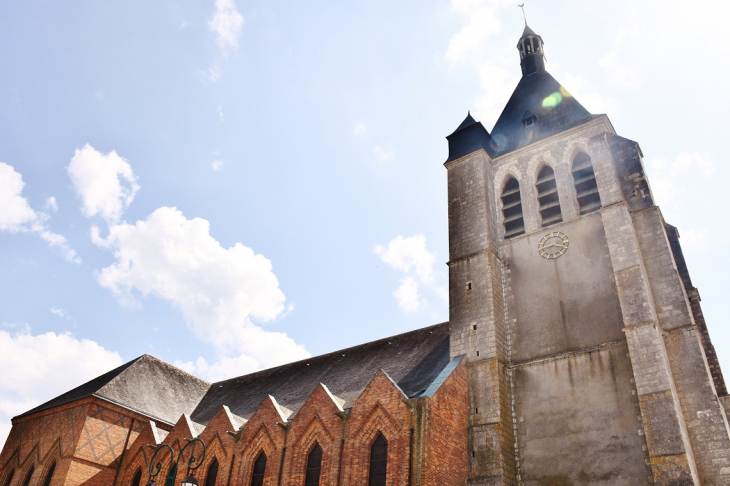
{"x": 565, "y": 93}
{"x": 552, "y": 101}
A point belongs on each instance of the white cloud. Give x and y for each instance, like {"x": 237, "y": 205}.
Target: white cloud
{"x": 220, "y": 291}
{"x": 214, "y": 73}
{"x": 220, "y": 112}
{"x": 51, "y": 204}
{"x": 407, "y": 295}
{"x": 670, "y": 178}
{"x": 384, "y": 155}
{"x": 44, "y": 366}
{"x": 407, "y": 254}
{"x": 15, "y": 212}
{"x": 473, "y": 47}
{"x": 16, "y": 215}
{"x": 226, "y": 24}
{"x": 105, "y": 183}
{"x": 411, "y": 257}
{"x": 218, "y": 165}
{"x": 359, "y": 129}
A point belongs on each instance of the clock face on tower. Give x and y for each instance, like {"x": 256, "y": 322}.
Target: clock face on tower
{"x": 553, "y": 245}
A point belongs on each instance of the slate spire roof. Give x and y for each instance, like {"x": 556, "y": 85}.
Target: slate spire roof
{"x": 538, "y": 108}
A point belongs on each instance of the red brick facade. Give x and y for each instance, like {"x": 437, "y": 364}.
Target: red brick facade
{"x": 93, "y": 442}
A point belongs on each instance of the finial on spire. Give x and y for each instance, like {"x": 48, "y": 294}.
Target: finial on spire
{"x": 522, "y": 6}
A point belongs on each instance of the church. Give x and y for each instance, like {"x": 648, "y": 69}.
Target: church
{"x": 576, "y": 351}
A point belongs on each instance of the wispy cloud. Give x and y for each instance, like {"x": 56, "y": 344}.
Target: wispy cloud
{"x": 16, "y": 215}
{"x": 415, "y": 262}
{"x": 218, "y": 165}
{"x": 359, "y": 129}
{"x": 384, "y": 155}
{"x": 226, "y": 23}
{"x": 220, "y": 112}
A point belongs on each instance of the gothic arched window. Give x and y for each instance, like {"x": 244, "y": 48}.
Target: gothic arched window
{"x": 259, "y": 469}
{"x": 378, "y": 461}
{"x": 10, "y": 478}
{"x": 314, "y": 466}
{"x": 212, "y": 473}
{"x": 514, "y": 224}
{"x": 584, "y": 179}
{"x": 28, "y": 477}
{"x": 547, "y": 197}
{"x": 49, "y": 476}
{"x": 137, "y": 478}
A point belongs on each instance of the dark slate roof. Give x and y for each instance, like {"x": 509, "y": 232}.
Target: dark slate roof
{"x": 527, "y": 31}
{"x": 145, "y": 384}
{"x": 468, "y": 137}
{"x": 413, "y": 360}
{"x": 539, "y": 93}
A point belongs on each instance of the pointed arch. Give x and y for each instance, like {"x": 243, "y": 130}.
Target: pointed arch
{"x": 137, "y": 478}
{"x": 259, "y": 470}
{"x": 314, "y": 466}
{"x": 584, "y": 180}
{"x": 262, "y": 444}
{"x": 49, "y": 474}
{"x": 513, "y": 220}
{"x": 547, "y": 196}
{"x": 28, "y": 476}
{"x": 315, "y": 434}
{"x": 378, "y": 461}
{"x": 9, "y": 478}
{"x": 211, "y": 475}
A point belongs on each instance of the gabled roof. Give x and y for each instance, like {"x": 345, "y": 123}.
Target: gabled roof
{"x": 413, "y": 360}
{"x": 146, "y": 384}
{"x": 555, "y": 108}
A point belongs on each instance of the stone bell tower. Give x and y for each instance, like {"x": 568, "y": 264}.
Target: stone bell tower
{"x": 589, "y": 361}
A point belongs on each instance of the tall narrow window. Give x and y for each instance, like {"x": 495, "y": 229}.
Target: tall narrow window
{"x": 49, "y": 476}
{"x": 137, "y": 478}
{"x": 585, "y": 184}
{"x": 378, "y": 461}
{"x": 547, "y": 196}
{"x": 314, "y": 466}
{"x": 259, "y": 468}
{"x": 514, "y": 224}
{"x": 10, "y": 478}
{"x": 212, "y": 473}
{"x": 28, "y": 477}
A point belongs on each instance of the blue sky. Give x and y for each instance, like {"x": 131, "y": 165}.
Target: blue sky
{"x": 229, "y": 186}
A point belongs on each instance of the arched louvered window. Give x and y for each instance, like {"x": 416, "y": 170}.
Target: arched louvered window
{"x": 314, "y": 466}
{"x": 259, "y": 469}
{"x": 137, "y": 478}
{"x": 28, "y": 477}
{"x": 212, "y": 473}
{"x": 378, "y": 461}
{"x": 10, "y": 478}
{"x": 585, "y": 184}
{"x": 49, "y": 476}
{"x": 514, "y": 224}
{"x": 547, "y": 196}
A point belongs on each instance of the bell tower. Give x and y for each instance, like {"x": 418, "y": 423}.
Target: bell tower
{"x": 587, "y": 354}
{"x": 532, "y": 53}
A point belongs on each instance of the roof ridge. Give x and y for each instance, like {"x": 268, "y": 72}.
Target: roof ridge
{"x": 331, "y": 353}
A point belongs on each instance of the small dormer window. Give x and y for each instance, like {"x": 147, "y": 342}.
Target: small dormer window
{"x": 528, "y": 119}
{"x": 528, "y": 47}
